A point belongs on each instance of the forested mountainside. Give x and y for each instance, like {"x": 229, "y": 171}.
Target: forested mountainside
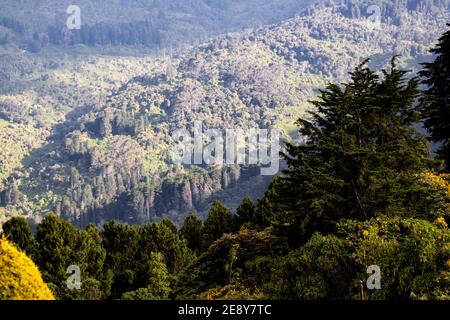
{"x": 88, "y": 136}
{"x": 361, "y": 213}
{"x": 37, "y": 24}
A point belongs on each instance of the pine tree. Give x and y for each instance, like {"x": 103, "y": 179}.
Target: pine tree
{"x": 219, "y": 222}
{"x": 245, "y": 215}
{"x": 158, "y": 287}
{"x": 163, "y": 237}
{"x": 361, "y": 157}
{"x": 121, "y": 244}
{"x": 18, "y": 232}
{"x": 56, "y": 240}
{"x": 436, "y": 111}
{"x": 191, "y": 231}
{"x": 95, "y": 254}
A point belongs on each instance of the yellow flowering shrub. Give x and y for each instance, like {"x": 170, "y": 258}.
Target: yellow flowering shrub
{"x": 441, "y": 181}
{"x": 441, "y": 184}
{"x": 19, "y": 277}
{"x": 441, "y": 222}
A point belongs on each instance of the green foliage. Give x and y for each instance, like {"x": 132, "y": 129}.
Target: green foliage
{"x": 158, "y": 287}
{"x": 92, "y": 289}
{"x": 132, "y": 250}
{"x": 321, "y": 269}
{"x": 231, "y": 292}
{"x": 361, "y": 156}
{"x": 18, "y": 232}
{"x": 218, "y": 222}
{"x": 245, "y": 215}
{"x": 233, "y": 256}
{"x": 159, "y": 237}
{"x": 57, "y": 248}
{"x": 436, "y": 110}
{"x": 191, "y": 231}
{"x": 60, "y": 245}
{"x": 269, "y": 207}
{"x": 245, "y": 256}
{"x": 95, "y": 253}
{"x": 413, "y": 256}
{"x": 121, "y": 244}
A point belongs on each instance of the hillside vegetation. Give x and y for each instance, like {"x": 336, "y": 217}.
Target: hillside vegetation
{"x": 102, "y": 124}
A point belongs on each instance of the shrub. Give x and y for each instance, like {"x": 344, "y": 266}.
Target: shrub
{"x": 20, "y": 279}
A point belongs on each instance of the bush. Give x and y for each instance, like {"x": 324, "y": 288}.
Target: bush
{"x": 20, "y": 279}
{"x": 412, "y": 254}
{"x": 158, "y": 281}
{"x": 321, "y": 269}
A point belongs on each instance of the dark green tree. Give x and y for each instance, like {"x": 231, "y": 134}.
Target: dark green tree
{"x": 162, "y": 238}
{"x": 245, "y": 215}
{"x": 169, "y": 224}
{"x": 218, "y": 222}
{"x": 96, "y": 282}
{"x": 268, "y": 208}
{"x": 436, "y": 110}
{"x": 121, "y": 244}
{"x": 321, "y": 269}
{"x": 361, "y": 157}
{"x": 158, "y": 286}
{"x": 191, "y": 231}
{"x": 58, "y": 248}
{"x": 243, "y": 257}
{"x": 17, "y": 231}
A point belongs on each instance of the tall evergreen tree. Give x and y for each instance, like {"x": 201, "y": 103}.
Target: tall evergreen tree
{"x": 18, "y": 232}
{"x": 191, "y": 231}
{"x": 163, "y": 237}
{"x": 121, "y": 244}
{"x": 219, "y": 222}
{"x": 58, "y": 248}
{"x": 436, "y": 111}
{"x": 361, "y": 155}
{"x": 158, "y": 287}
{"x": 245, "y": 215}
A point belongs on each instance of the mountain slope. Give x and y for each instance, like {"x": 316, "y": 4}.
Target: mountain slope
{"x": 34, "y": 24}
{"x": 109, "y": 158}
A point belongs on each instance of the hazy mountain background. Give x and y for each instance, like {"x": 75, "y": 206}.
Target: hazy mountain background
{"x": 86, "y": 116}
{"x": 150, "y": 22}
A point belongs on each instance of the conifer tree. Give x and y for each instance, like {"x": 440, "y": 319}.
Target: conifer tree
{"x": 58, "y": 243}
{"x": 191, "y": 231}
{"x": 361, "y": 158}
{"x": 121, "y": 244}
{"x": 18, "y": 232}
{"x": 158, "y": 287}
{"x": 219, "y": 222}
{"x": 436, "y": 110}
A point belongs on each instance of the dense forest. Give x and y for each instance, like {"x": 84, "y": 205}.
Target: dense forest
{"x": 362, "y": 190}
{"x": 88, "y": 136}
{"x": 34, "y": 25}
{"x": 157, "y": 24}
